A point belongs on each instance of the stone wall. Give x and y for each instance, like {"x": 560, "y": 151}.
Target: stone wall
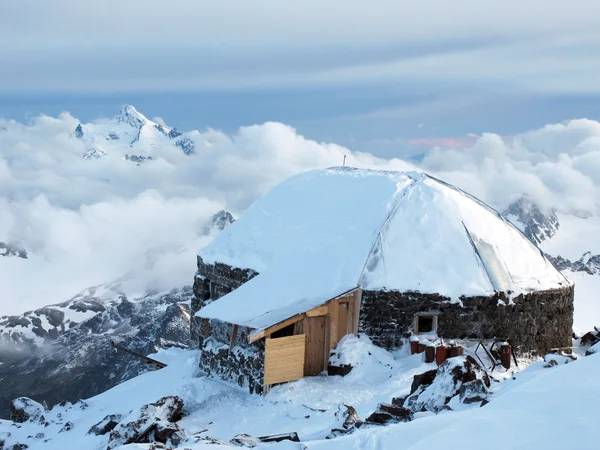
{"x": 534, "y": 322}
{"x": 244, "y": 363}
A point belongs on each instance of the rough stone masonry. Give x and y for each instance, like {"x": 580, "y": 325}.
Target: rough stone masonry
{"x": 533, "y": 322}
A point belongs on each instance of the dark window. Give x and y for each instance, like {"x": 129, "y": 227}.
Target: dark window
{"x": 286, "y": 331}
{"x": 424, "y": 324}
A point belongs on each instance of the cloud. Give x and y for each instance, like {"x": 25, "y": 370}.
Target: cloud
{"x": 212, "y": 45}
{"x": 86, "y": 222}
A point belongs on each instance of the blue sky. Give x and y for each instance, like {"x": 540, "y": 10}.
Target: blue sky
{"x": 381, "y": 76}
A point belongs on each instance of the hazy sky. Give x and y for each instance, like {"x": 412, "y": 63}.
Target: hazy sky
{"x": 371, "y": 75}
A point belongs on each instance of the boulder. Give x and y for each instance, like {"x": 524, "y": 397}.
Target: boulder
{"x": 67, "y": 427}
{"x": 24, "y": 409}
{"x": 449, "y": 378}
{"x": 389, "y": 413}
{"x": 423, "y": 379}
{"x": 473, "y": 391}
{"x": 105, "y": 425}
{"x": 590, "y": 338}
{"x": 154, "y": 422}
{"x": 245, "y": 440}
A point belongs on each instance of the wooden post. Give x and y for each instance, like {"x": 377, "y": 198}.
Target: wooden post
{"x": 356, "y": 316}
{"x": 233, "y": 337}
{"x": 333, "y": 323}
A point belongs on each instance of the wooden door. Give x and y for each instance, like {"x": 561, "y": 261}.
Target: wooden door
{"x": 342, "y": 328}
{"x": 284, "y": 359}
{"x": 314, "y": 360}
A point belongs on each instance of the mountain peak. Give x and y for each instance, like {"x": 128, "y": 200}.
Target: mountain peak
{"x": 535, "y": 224}
{"x": 131, "y": 116}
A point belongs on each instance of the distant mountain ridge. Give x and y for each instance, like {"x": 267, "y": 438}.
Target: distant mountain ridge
{"x": 528, "y": 217}
{"x": 131, "y": 131}
{"x": 539, "y": 227}
{"x": 67, "y": 345}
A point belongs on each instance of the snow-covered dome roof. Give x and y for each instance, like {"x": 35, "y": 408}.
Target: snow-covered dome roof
{"x": 322, "y": 233}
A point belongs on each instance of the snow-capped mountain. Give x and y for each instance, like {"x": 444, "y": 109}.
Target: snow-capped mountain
{"x": 535, "y": 224}
{"x": 131, "y": 136}
{"x": 68, "y": 344}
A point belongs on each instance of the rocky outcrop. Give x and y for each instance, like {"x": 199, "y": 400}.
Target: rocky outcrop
{"x": 535, "y": 224}
{"x": 83, "y": 350}
{"x": 24, "y": 409}
{"x": 537, "y": 321}
{"x": 588, "y": 263}
{"x": 105, "y": 425}
{"x": 154, "y": 422}
{"x": 461, "y": 376}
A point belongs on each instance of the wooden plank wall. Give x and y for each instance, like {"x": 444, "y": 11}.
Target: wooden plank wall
{"x": 342, "y": 319}
{"x": 284, "y": 359}
{"x": 315, "y": 331}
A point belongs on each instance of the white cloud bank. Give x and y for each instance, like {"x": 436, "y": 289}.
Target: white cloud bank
{"x": 85, "y": 222}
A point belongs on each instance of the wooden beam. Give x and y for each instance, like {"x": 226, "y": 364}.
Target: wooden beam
{"x": 333, "y": 323}
{"x": 322, "y": 310}
{"x": 233, "y": 337}
{"x": 278, "y": 326}
{"x": 356, "y": 316}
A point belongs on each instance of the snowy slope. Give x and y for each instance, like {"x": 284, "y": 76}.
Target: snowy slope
{"x": 544, "y": 408}
{"x": 325, "y": 232}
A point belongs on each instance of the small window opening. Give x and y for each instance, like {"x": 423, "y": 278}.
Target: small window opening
{"x": 285, "y": 331}
{"x": 425, "y": 324}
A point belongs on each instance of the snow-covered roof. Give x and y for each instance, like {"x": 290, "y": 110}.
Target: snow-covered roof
{"x": 322, "y": 233}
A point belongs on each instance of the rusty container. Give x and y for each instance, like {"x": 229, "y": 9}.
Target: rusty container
{"x": 414, "y": 345}
{"x": 461, "y": 350}
{"x": 454, "y": 351}
{"x": 420, "y": 347}
{"x": 441, "y": 353}
{"x": 505, "y": 354}
{"x": 430, "y": 353}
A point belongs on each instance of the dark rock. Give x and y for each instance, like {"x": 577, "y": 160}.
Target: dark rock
{"x": 105, "y": 425}
{"x": 450, "y": 377}
{"x": 186, "y": 144}
{"x": 423, "y": 379}
{"x": 473, "y": 391}
{"x": 537, "y": 225}
{"x": 78, "y": 132}
{"x": 381, "y": 418}
{"x": 19, "y": 446}
{"x": 153, "y": 423}
{"x": 67, "y": 427}
{"x": 23, "y": 409}
{"x": 245, "y": 440}
{"x": 589, "y": 338}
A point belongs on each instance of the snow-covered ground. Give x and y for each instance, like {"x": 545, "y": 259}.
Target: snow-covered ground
{"x": 538, "y": 407}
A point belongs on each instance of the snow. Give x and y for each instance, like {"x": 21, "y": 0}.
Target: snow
{"x": 539, "y": 407}
{"x": 325, "y": 232}
{"x": 587, "y": 300}
{"x": 575, "y": 236}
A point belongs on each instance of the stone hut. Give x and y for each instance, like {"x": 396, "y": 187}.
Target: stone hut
{"x": 389, "y": 254}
